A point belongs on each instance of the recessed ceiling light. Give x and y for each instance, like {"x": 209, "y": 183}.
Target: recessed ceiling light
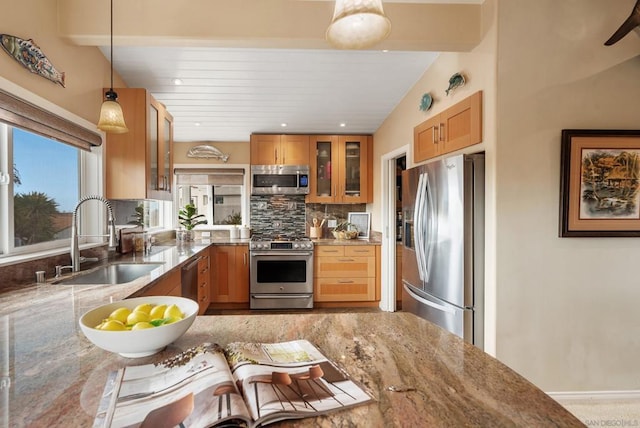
{"x": 197, "y": 124}
{"x": 284, "y": 125}
{"x": 342, "y": 125}
{"x": 177, "y": 81}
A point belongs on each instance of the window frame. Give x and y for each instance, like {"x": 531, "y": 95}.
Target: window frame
{"x": 23, "y": 109}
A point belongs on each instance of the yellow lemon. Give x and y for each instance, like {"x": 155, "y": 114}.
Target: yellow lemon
{"x": 120, "y": 314}
{"x": 113, "y": 325}
{"x": 136, "y": 317}
{"x": 171, "y": 320}
{"x": 141, "y": 325}
{"x": 173, "y": 311}
{"x": 144, "y": 307}
{"x": 157, "y": 312}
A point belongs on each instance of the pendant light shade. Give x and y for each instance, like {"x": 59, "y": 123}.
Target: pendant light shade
{"x": 111, "y": 116}
{"x": 358, "y": 24}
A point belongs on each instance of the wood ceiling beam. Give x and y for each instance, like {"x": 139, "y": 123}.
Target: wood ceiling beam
{"x": 291, "y": 24}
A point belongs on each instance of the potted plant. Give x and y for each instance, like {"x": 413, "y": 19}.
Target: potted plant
{"x": 189, "y": 218}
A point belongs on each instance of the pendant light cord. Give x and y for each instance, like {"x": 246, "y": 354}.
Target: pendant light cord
{"x": 111, "y": 87}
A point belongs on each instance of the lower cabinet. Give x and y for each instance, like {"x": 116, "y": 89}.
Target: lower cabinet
{"x": 204, "y": 282}
{"x": 168, "y": 285}
{"x": 229, "y": 274}
{"x": 347, "y": 273}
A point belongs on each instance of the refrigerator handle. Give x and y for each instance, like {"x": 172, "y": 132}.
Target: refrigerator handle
{"x": 428, "y": 302}
{"x": 417, "y": 226}
{"x": 430, "y": 220}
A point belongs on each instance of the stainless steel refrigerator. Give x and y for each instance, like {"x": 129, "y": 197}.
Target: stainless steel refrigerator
{"x": 443, "y": 244}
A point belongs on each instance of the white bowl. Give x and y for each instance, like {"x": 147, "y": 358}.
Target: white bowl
{"x": 138, "y": 343}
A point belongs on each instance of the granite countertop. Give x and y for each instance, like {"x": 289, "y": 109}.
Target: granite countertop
{"x": 53, "y": 376}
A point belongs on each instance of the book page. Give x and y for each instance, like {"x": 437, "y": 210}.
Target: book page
{"x": 143, "y": 389}
{"x": 290, "y": 380}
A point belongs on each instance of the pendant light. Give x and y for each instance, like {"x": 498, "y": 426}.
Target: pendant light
{"x": 358, "y": 24}
{"x": 111, "y": 116}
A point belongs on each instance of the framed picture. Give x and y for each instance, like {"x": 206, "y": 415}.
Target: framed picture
{"x": 600, "y": 183}
{"x": 362, "y": 222}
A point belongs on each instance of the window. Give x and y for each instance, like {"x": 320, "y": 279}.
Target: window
{"x": 41, "y": 188}
{"x": 218, "y": 193}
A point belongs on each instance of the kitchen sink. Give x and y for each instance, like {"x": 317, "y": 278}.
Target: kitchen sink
{"x": 117, "y": 273}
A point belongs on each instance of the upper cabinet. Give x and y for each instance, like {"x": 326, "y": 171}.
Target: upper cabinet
{"x": 270, "y": 149}
{"x": 341, "y": 169}
{"x": 457, "y": 127}
{"x": 139, "y": 163}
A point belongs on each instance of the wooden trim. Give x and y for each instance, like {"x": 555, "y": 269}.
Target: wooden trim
{"x": 22, "y": 114}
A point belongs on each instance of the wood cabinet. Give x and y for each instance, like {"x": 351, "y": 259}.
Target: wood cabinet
{"x": 272, "y": 149}
{"x": 457, "y": 127}
{"x": 139, "y": 163}
{"x": 168, "y": 285}
{"x": 341, "y": 169}
{"x": 204, "y": 282}
{"x": 229, "y": 274}
{"x": 348, "y": 273}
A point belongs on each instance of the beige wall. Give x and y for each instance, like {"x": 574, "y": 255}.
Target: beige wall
{"x": 86, "y": 69}
{"x": 567, "y": 316}
{"x": 564, "y": 309}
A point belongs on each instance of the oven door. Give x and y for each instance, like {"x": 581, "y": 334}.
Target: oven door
{"x": 281, "y": 272}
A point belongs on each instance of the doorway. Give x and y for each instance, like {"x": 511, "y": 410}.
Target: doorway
{"x": 393, "y": 164}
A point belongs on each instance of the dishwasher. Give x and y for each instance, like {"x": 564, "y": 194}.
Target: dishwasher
{"x": 189, "y": 279}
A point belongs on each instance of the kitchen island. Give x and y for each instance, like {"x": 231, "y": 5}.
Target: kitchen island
{"x": 53, "y": 376}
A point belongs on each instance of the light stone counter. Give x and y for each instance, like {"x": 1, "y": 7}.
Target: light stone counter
{"x": 53, "y": 376}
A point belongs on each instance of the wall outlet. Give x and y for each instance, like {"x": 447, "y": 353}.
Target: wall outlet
{"x": 332, "y": 223}
{"x": 262, "y": 205}
{"x": 206, "y": 234}
{"x": 291, "y": 205}
{"x": 277, "y": 224}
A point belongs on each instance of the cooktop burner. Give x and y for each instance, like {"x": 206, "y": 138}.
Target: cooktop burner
{"x": 278, "y": 238}
{"x": 280, "y": 242}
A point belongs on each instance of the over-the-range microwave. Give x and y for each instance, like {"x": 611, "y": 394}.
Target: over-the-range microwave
{"x": 279, "y": 179}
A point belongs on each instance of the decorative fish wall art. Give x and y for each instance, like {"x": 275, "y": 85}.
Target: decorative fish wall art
{"x": 27, "y": 53}
{"x": 455, "y": 81}
{"x": 206, "y": 151}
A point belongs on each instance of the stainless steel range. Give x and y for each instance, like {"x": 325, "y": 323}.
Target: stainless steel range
{"x": 281, "y": 272}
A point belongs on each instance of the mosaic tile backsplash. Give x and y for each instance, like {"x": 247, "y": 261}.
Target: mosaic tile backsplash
{"x": 278, "y": 214}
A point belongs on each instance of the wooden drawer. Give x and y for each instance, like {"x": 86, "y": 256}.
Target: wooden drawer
{"x": 344, "y": 266}
{"x": 345, "y": 250}
{"x": 360, "y": 250}
{"x": 344, "y": 289}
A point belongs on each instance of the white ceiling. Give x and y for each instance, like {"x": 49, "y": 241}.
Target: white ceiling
{"x": 228, "y": 93}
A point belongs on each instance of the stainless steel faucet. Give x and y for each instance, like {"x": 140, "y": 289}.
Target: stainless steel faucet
{"x": 76, "y": 259}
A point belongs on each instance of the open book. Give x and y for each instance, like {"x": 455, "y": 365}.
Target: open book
{"x": 245, "y": 384}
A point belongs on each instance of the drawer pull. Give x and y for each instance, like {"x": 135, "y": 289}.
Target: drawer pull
{"x": 346, "y": 260}
{"x": 345, "y": 282}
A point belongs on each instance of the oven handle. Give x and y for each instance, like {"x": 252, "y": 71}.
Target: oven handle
{"x": 281, "y": 296}
{"x": 280, "y": 253}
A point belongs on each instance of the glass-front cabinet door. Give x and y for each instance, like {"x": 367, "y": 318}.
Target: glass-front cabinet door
{"x": 339, "y": 169}
{"x": 160, "y": 142}
{"x": 153, "y": 146}
{"x": 323, "y": 165}
{"x": 353, "y": 153}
